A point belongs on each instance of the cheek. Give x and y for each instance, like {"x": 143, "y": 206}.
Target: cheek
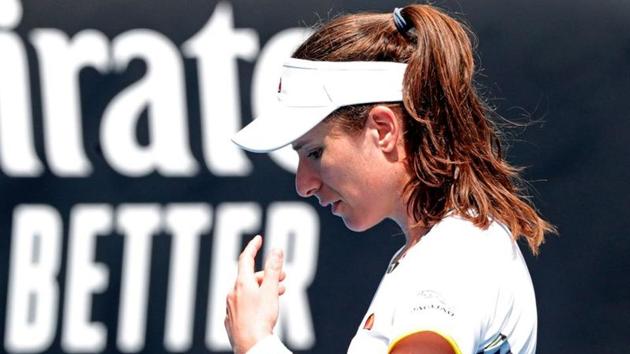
{"x": 351, "y": 178}
{"x": 363, "y": 210}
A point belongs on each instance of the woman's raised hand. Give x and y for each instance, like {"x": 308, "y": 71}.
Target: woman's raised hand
{"x": 252, "y": 306}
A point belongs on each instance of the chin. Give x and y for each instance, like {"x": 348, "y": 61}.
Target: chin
{"x": 358, "y": 225}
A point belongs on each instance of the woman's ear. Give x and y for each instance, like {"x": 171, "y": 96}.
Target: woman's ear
{"x": 384, "y": 127}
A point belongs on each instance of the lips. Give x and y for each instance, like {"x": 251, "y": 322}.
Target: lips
{"x": 335, "y": 206}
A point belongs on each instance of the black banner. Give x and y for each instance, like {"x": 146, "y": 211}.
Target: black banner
{"x": 123, "y": 203}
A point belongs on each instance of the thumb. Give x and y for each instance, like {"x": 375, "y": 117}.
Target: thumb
{"x": 273, "y": 270}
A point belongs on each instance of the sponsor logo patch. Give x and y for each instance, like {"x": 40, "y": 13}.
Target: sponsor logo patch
{"x": 431, "y": 300}
{"x": 369, "y": 323}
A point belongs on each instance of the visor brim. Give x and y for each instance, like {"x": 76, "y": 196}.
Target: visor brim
{"x": 280, "y": 127}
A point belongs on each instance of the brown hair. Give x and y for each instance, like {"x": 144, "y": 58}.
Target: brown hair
{"x": 454, "y": 154}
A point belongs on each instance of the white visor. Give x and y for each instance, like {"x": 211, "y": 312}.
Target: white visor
{"x": 311, "y": 90}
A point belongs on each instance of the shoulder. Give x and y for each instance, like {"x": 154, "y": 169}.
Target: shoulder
{"x": 460, "y": 259}
{"x": 456, "y": 236}
{"x": 465, "y": 282}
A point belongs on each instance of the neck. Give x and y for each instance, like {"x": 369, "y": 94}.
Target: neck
{"x": 400, "y": 214}
{"x": 410, "y": 227}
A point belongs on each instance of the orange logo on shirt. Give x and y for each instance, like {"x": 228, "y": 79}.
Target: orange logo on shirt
{"x": 369, "y": 322}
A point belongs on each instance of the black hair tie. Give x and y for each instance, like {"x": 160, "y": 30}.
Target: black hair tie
{"x": 401, "y": 24}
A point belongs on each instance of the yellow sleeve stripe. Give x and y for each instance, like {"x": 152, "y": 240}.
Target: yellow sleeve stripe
{"x": 449, "y": 339}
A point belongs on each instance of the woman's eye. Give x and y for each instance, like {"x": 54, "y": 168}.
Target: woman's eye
{"x": 315, "y": 154}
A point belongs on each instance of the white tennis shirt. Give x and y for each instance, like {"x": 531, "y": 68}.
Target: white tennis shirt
{"x": 470, "y": 286}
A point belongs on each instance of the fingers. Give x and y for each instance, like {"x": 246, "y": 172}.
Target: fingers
{"x": 271, "y": 277}
{"x": 246, "y": 261}
{"x": 281, "y": 288}
{"x": 272, "y": 274}
{"x": 261, "y": 273}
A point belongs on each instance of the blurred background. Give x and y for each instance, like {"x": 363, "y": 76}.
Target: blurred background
{"x": 123, "y": 204}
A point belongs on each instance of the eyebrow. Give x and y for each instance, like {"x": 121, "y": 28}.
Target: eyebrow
{"x": 298, "y": 145}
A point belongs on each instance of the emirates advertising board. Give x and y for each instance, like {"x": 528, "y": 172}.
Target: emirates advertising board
{"x": 123, "y": 202}
{"x": 119, "y": 154}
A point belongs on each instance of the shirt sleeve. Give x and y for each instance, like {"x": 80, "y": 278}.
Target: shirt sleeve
{"x": 430, "y": 309}
{"x": 443, "y": 295}
{"x": 269, "y": 345}
{"x": 453, "y": 285}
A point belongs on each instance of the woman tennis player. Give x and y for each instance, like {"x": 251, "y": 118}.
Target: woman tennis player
{"x": 383, "y": 113}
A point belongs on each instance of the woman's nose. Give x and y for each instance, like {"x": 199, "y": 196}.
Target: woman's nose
{"x": 307, "y": 181}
